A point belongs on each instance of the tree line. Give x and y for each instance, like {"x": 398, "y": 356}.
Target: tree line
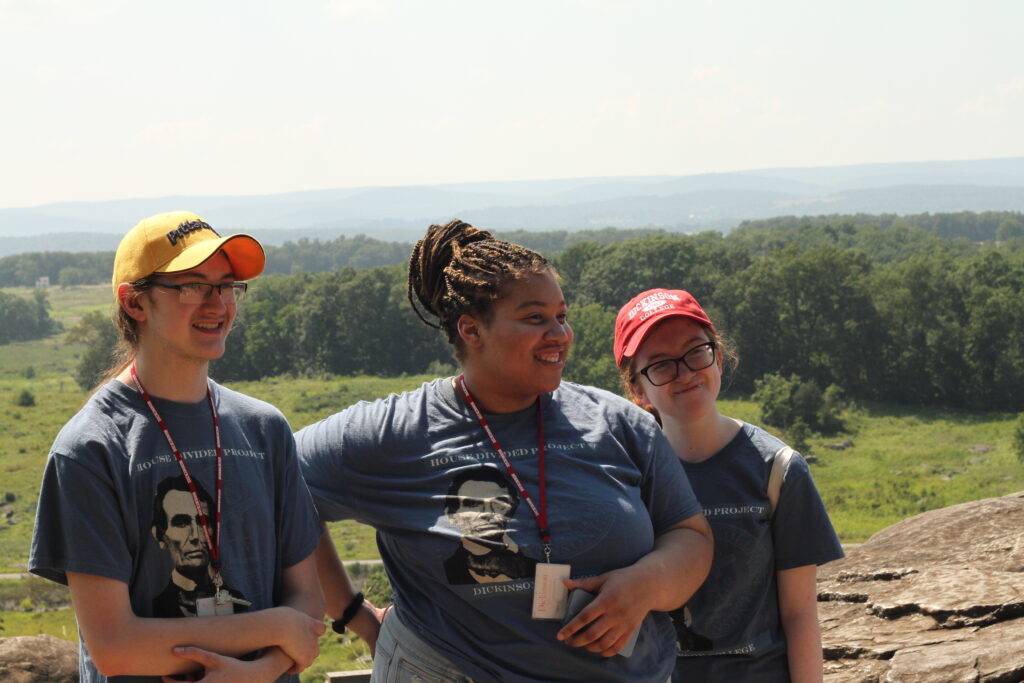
{"x": 879, "y": 312}
{"x": 67, "y": 269}
{"x": 312, "y": 255}
{"x": 898, "y": 315}
{"x": 984, "y": 226}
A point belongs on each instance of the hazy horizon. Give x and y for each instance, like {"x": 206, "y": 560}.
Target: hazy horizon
{"x": 115, "y": 99}
{"x": 537, "y": 181}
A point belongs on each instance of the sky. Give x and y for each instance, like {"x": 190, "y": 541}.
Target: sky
{"x": 114, "y": 99}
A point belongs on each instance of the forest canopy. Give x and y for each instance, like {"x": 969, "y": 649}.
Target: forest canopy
{"x": 360, "y": 251}
{"x": 875, "y": 306}
{"x": 895, "y": 314}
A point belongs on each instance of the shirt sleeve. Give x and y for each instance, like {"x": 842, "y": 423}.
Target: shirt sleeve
{"x": 665, "y": 489}
{"x": 80, "y": 525}
{"x": 298, "y": 527}
{"x": 320, "y": 447}
{"x": 801, "y": 529}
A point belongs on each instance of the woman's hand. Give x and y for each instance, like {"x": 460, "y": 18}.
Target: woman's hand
{"x": 220, "y": 669}
{"x": 607, "y": 623}
{"x": 662, "y": 580}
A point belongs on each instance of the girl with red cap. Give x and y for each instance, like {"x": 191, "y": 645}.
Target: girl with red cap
{"x": 755, "y": 617}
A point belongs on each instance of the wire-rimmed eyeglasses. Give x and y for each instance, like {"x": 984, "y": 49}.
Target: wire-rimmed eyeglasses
{"x": 198, "y": 292}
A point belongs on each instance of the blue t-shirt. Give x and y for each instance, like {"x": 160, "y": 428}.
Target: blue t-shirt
{"x": 730, "y": 628}
{"x": 459, "y": 545}
{"x": 114, "y": 503}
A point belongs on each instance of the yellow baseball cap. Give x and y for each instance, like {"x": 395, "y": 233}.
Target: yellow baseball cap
{"x": 178, "y": 241}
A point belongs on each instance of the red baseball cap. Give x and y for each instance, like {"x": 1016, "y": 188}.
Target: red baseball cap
{"x": 636, "y": 319}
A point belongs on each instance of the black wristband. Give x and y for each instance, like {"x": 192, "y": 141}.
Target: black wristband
{"x": 338, "y": 625}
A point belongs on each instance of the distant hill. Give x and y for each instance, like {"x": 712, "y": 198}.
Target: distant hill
{"x": 718, "y": 201}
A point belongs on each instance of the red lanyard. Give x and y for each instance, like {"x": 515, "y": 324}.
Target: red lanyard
{"x": 540, "y": 515}
{"x": 213, "y": 546}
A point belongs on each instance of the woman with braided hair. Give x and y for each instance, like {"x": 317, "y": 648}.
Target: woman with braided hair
{"x": 495, "y": 491}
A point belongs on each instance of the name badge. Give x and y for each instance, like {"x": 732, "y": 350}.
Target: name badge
{"x": 549, "y": 593}
{"x": 209, "y": 607}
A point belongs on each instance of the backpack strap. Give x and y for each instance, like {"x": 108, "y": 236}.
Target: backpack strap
{"x": 780, "y": 463}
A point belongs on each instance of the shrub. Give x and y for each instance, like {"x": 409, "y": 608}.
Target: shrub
{"x": 798, "y": 434}
{"x": 26, "y": 399}
{"x": 833, "y": 403}
{"x": 786, "y": 401}
{"x": 98, "y": 331}
{"x": 440, "y": 368}
{"x": 772, "y": 392}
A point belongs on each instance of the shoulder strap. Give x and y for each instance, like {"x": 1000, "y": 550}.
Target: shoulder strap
{"x": 780, "y": 462}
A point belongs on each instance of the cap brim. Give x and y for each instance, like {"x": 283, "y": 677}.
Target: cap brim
{"x": 243, "y": 252}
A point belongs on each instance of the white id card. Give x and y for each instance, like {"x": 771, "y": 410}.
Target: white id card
{"x": 209, "y": 607}
{"x": 549, "y": 593}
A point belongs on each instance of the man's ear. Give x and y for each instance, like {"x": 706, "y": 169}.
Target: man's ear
{"x": 128, "y": 300}
{"x": 469, "y": 330}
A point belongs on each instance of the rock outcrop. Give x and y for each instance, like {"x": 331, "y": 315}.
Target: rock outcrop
{"x": 35, "y": 659}
{"x": 938, "y": 597}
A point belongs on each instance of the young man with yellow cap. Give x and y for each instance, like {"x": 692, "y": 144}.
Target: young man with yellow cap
{"x": 169, "y": 496}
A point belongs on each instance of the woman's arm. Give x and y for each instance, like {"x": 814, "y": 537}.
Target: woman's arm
{"x": 798, "y": 611}
{"x": 662, "y": 580}
{"x": 338, "y": 592}
{"x": 121, "y": 643}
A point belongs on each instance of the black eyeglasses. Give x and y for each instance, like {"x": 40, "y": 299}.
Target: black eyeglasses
{"x": 697, "y": 358}
{"x": 198, "y": 292}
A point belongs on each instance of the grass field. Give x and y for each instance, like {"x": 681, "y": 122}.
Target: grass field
{"x": 902, "y": 461}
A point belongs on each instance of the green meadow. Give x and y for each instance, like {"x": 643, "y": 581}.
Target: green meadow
{"x": 894, "y": 462}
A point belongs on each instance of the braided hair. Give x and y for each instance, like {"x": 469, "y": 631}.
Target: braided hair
{"x": 457, "y": 269}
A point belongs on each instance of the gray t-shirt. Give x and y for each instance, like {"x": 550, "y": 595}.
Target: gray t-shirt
{"x": 114, "y": 503}
{"x": 730, "y": 628}
{"x": 459, "y": 545}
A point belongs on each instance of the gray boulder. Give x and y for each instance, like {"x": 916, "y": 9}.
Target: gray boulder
{"x": 35, "y": 659}
{"x": 938, "y": 597}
